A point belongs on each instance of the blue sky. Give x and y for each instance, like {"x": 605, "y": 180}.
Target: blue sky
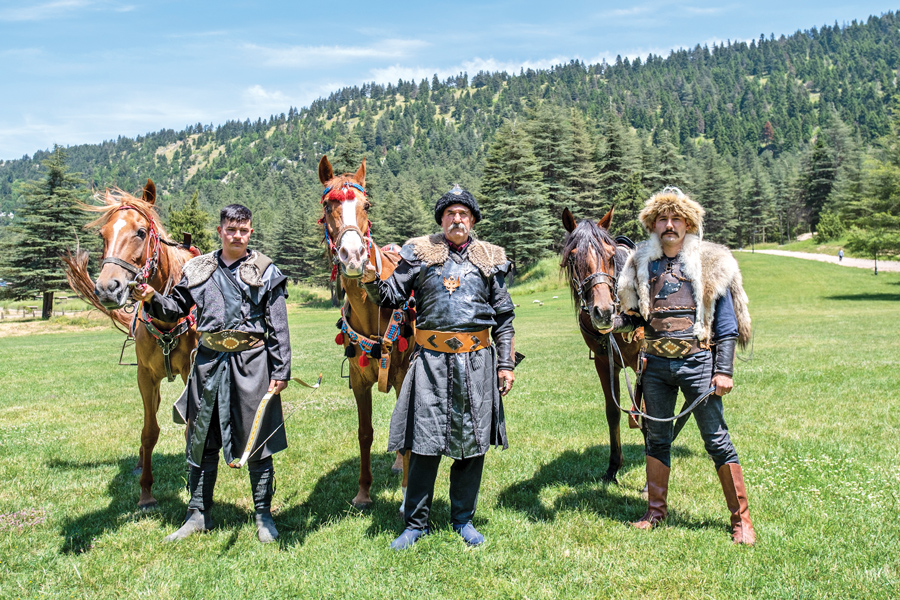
{"x": 82, "y": 71}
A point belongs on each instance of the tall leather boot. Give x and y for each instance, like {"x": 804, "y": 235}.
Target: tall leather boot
{"x": 657, "y": 491}
{"x": 199, "y": 513}
{"x": 732, "y": 477}
{"x": 263, "y": 486}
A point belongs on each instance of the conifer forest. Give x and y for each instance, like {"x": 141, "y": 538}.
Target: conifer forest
{"x": 775, "y": 138}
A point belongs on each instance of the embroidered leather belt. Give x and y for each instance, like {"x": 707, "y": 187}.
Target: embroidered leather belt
{"x": 673, "y": 347}
{"x": 453, "y": 342}
{"x": 231, "y": 340}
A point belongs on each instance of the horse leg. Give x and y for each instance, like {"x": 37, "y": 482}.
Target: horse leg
{"x": 613, "y": 417}
{"x": 397, "y": 467}
{"x": 149, "y": 388}
{"x": 366, "y": 435}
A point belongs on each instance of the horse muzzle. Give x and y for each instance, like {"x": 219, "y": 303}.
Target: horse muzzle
{"x": 112, "y": 293}
{"x": 601, "y": 318}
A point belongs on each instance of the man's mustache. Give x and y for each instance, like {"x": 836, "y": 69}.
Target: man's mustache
{"x": 462, "y": 226}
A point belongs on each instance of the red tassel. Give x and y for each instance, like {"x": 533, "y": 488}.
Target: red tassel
{"x": 334, "y": 272}
{"x": 339, "y": 339}
{"x": 402, "y": 344}
{"x": 363, "y": 361}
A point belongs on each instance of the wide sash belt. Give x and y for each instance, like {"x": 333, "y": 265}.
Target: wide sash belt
{"x": 231, "y": 340}
{"x": 453, "y": 341}
{"x": 673, "y": 347}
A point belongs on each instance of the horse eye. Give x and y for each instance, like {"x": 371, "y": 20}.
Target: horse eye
{"x": 367, "y": 207}
{"x": 141, "y": 233}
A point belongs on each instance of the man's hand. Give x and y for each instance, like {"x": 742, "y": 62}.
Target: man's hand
{"x": 276, "y": 386}
{"x": 142, "y": 292}
{"x": 506, "y": 379}
{"x": 370, "y": 273}
{"x": 723, "y": 383}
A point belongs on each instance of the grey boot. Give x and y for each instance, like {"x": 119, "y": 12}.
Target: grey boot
{"x": 199, "y": 513}
{"x": 263, "y": 486}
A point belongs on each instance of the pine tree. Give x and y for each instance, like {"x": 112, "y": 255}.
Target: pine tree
{"x": 714, "y": 190}
{"x": 585, "y": 180}
{"x": 628, "y": 206}
{"x": 551, "y": 137}
{"x": 194, "y": 220}
{"x": 817, "y": 180}
{"x": 44, "y": 228}
{"x": 515, "y": 203}
{"x": 613, "y": 165}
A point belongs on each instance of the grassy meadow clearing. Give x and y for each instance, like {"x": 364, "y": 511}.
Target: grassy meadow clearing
{"x": 814, "y": 416}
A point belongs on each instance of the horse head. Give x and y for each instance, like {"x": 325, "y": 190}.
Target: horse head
{"x": 130, "y": 243}
{"x": 588, "y": 257}
{"x": 346, "y": 217}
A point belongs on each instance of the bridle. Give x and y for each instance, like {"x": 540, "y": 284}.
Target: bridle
{"x": 146, "y": 272}
{"x": 343, "y": 194}
{"x": 583, "y": 287}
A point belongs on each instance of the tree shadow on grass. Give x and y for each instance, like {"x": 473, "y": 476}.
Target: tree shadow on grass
{"x": 330, "y": 502}
{"x": 867, "y": 297}
{"x": 581, "y": 473}
{"x": 80, "y": 532}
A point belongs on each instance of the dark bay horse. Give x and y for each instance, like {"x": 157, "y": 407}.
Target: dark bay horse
{"x": 377, "y": 341}
{"x": 591, "y": 258}
{"x": 136, "y": 248}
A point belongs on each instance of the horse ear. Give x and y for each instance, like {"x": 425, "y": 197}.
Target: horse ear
{"x": 326, "y": 173}
{"x": 606, "y": 221}
{"x": 149, "y": 195}
{"x": 568, "y": 220}
{"x": 360, "y": 175}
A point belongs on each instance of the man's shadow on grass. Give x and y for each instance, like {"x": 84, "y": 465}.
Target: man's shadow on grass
{"x": 581, "y": 473}
{"x": 330, "y": 502}
{"x": 124, "y": 490}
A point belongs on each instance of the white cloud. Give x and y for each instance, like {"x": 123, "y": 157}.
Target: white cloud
{"x": 304, "y": 56}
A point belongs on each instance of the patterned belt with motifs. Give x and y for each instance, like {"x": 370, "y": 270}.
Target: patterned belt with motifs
{"x": 231, "y": 340}
{"x": 673, "y": 347}
{"x": 453, "y": 342}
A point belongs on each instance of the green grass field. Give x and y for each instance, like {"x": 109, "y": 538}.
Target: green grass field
{"x": 814, "y": 416}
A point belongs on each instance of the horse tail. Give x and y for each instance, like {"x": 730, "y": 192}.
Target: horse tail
{"x": 81, "y": 283}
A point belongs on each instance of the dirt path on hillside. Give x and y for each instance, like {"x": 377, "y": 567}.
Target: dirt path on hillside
{"x": 862, "y": 263}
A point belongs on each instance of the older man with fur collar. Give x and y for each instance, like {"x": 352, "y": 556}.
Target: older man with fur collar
{"x": 689, "y": 297}
{"x": 450, "y": 403}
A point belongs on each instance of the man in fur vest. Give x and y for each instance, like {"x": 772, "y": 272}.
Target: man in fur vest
{"x": 450, "y": 403}
{"x": 689, "y": 297}
{"x": 244, "y": 353}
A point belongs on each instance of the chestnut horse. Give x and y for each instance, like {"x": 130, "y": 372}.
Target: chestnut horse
{"x": 363, "y": 323}
{"x": 591, "y": 258}
{"x": 136, "y": 248}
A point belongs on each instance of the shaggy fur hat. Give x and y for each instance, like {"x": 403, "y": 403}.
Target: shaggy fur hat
{"x": 673, "y": 200}
{"x": 456, "y": 196}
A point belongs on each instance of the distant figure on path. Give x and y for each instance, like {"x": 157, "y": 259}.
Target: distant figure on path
{"x": 450, "y": 403}
{"x": 689, "y": 297}
{"x": 244, "y": 353}
{"x": 840, "y": 255}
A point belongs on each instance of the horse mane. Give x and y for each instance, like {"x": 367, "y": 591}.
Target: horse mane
{"x": 586, "y": 236}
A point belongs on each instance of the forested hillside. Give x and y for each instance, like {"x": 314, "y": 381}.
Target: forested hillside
{"x": 771, "y": 137}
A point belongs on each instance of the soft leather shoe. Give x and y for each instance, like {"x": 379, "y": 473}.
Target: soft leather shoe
{"x": 408, "y": 538}
{"x": 469, "y": 534}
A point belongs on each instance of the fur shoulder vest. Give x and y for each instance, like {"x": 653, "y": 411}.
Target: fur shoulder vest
{"x": 199, "y": 269}
{"x": 712, "y": 271}
{"x": 433, "y": 250}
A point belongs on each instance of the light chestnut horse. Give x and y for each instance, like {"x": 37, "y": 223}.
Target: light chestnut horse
{"x": 136, "y": 248}
{"x": 591, "y": 258}
{"x": 350, "y": 245}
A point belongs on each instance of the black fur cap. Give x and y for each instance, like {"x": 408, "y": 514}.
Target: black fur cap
{"x": 456, "y": 196}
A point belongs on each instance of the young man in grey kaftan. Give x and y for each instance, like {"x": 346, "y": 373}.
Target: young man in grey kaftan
{"x": 244, "y": 352}
{"x": 450, "y": 403}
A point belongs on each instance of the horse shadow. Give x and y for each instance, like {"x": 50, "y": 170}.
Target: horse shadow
{"x": 874, "y": 296}
{"x": 329, "y": 502}
{"x": 581, "y": 474}
{"x": 80, "y": 532}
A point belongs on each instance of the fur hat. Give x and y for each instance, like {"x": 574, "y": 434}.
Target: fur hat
{"x": 673, "y": 200}
{"x": 456, "y": 196}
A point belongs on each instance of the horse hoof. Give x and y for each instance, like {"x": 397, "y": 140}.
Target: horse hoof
{"x": 137, "y": 471}
{"x": 362, "y": 505}
{"x": 607, "y": 478}
{"x": 149, "y": 506}
{"x": 396, "y": 470}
